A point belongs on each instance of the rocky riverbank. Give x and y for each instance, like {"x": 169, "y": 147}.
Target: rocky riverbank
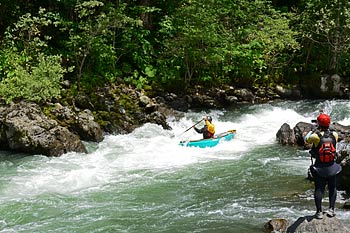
{"x": 61, "y": 126}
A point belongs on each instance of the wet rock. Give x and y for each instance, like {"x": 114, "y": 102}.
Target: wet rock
{"x": 276, "y": 225}
{"x": 336, "y": 83}
{"x": 87, "y": 128}
{"x": 342, "y": 130}
{"x": 160, "y": 119}
{"x": 24, "y": 128}
{"x": 120, "y": 109}
{"x": 175, "y": 102}
{"x": 323, "y": 86}
{"x": 82, "y": 122}
{"x": 203, "y": 101}
{"x": 300, "y": 130}
{"x": 245, "y": 95}
{"x": 83, "y": 102}
{"x": 285, "y": 135}
{"x": 231, "y": 99}
{"x": 144, "y": 100}
{"x": 343, "y": 178}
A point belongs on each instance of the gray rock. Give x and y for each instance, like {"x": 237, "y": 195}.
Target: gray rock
{"x": 25, "y": 128}
{"x": 81, "y": 123}
{"x": 231, "y": 99}
{"x": 300, "y": 130}
{"x": 87, "y": 128}
{"x": 244, "y": 95}
{"x": 312, "y": 225}
{"x": 276, "y": 225}
{"x": 144, "y": 100}
{"x": 285, "y": 135}
{"x": 307, "y": 224}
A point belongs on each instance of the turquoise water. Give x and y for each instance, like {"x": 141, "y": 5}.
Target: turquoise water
{"x": 145, "y": 182}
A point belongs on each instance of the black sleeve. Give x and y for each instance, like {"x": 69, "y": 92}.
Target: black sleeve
{"x": 198, "y": 130}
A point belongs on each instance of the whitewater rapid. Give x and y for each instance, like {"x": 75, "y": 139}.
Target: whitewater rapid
{"x": 147, "y": 174}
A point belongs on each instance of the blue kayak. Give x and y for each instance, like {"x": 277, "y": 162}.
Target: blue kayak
{"x": 210, "y": 142}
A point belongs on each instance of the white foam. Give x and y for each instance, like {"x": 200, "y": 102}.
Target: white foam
{"x": 120, "y": 158}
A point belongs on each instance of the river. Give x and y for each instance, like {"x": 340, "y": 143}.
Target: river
{"x": 144, "y": 182}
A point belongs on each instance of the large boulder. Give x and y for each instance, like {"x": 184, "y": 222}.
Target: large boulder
{"x": 119, "y": 109}
{"x": 307, "y": 224}
{"x": 245, "y": 95}
{"x": 300, "y": 130}
{"x": 285, "y": 135}
{"x": 288, "y": 93}
{"x": 312, "y": 225}
{"x": 87, "y": 128}
{"x": 24, "y": 128}
{"x": 81, "y": 123}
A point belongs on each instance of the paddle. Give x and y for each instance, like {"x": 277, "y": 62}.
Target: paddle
{"x": 191, "y": 127}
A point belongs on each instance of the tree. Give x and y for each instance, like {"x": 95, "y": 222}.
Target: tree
{"x": 225, "y": 41}
{"x": 86, "y": 35}
{"x": 105, "y": 44}
{"x": 27, "y": 69}
{"x": 325, "y": 30}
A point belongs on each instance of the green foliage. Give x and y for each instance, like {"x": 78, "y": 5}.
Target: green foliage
{"x": 325, "y": 30}
{"x": 193, "y": 45}
{"x": 28, "y": 33}
{"x": 85, "y": 36}
{"x": 138, "y": 43}
{"x": 275, "y": 39}
{"x": 208, "y": 41}
{"x": 99, "y": 39}
{"x": 27, "y": 71}
{"x": 35, "y": 83}
{"x": 173, "y": 43}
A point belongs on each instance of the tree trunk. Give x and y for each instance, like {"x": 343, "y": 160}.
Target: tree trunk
{"x": 146, "y": 16}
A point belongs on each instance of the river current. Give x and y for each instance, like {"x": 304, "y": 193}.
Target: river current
{"x": 144, "y": 182}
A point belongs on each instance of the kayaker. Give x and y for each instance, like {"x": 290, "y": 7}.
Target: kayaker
{"x": 325, "y": 169}
{"x": 208, "y": 130}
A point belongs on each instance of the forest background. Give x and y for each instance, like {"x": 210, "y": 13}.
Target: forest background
{"x": 168, "y": 45}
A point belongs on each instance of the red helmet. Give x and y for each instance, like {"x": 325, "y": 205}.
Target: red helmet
{"x": 324, "y": 120}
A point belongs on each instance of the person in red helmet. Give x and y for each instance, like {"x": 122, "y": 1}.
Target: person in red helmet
{"x": 325, "y": 169}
